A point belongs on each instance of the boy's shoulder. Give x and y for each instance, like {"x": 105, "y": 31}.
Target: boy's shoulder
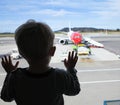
{"x": 58, "y": 70}
{"x": 61, "y": 73}
{"x": 18, "y": 70}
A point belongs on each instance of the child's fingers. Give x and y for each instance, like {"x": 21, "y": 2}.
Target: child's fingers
{"x": 5, "y": 57}
{"x": 75, "y": 53}
{"x": 72, "y": 54}
{"x": 69, "y": 56}
{"x": 76, "y": 56}
{"x": 76, "y": 59}
{"x": 9, "y": 58}
{"x": 2, "y": 60}
{"x": 65, "y": 61}
{"x": 16, "y": 65}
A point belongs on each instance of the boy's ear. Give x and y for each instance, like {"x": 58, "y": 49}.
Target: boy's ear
{"x": 52, "y": 51}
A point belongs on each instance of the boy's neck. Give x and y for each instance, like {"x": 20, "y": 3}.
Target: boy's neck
{"x": 39, "y": 67}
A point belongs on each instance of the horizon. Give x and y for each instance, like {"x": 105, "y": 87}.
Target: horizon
{"x": 71, "y": 28}
{"x": 57, "y": 14}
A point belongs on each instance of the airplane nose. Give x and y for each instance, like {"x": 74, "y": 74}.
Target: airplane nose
{"x": 76, "y": 37}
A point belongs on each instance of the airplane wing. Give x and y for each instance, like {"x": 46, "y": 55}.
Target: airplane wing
{"x": 93, "y": 43}
{"x": 63, "y": 40}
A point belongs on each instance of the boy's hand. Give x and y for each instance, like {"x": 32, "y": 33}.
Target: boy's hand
{"x": 8, "y": 65}
{"x": 71, "y": 61}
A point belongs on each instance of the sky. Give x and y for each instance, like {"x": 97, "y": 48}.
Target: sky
{"x": 59, "y": 13}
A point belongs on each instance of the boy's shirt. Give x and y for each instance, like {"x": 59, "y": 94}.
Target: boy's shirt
{"x": 34, "y": 89}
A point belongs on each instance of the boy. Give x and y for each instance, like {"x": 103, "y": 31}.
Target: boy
{"x": 39, "y": 84}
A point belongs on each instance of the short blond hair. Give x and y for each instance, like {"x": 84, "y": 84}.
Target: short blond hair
{"x": 34, "y": 39}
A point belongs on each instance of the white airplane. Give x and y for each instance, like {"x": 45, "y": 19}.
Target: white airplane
{"x": 77, "y": 38}
{"x": 74, "y": 37}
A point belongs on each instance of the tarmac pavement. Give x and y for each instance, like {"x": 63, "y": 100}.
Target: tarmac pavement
{"x": 99, "y": 74}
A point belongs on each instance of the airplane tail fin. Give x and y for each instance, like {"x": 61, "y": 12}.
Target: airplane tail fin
{"x": 70, "y": 27}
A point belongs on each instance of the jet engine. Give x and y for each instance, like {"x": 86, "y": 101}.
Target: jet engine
{"x": 63, "y": 41}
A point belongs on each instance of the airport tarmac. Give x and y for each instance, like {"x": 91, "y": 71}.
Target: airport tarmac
{"x": 99, "y": 73}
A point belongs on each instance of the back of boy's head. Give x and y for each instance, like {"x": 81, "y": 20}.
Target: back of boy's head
{"x": 34, "y": 39}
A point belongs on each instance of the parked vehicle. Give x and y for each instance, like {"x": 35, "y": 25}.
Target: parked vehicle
{"x": 83, "y": 51}
{"x": 15, "y": 54}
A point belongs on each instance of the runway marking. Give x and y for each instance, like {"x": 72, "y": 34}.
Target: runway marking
{"x": 100, "y": 70}
{"x": 95, "y": 82}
